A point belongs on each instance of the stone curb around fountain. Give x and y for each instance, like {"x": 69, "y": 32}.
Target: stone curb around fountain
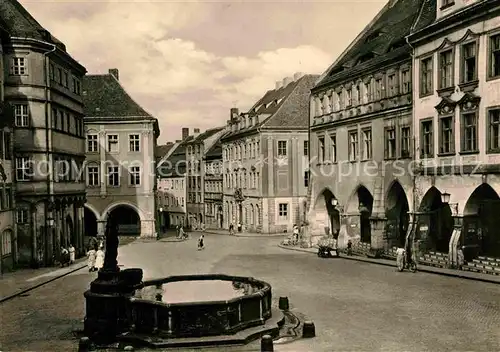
{"x": 422, "y": 268}
{"x": 271, "y": 327}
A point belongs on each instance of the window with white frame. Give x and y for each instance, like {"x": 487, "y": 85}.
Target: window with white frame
{"x": 19, "y": 66}
{"x": 494, "y": 54}
{"x": 494, "y": 130}
{"x": 405, "y": 141}
{"x": 135, "y": 176}
{"x": 282, "y": 150}
{"x": 21, "y": 115}
{"x": 333, "y": 148}
{"x": 134, "y": 143}
{"x": 390, "y": 143}
{"x": 283, "y": 211}
{"x": 7, "y": 242}
{"x": 113, "y": 176}
{"x": 92, "y": 143}
{"x": 93, "y": 175}
{"x": 22, "y": 216}
{"x": 24, "y": 168}
{"x": 112, "y": 143}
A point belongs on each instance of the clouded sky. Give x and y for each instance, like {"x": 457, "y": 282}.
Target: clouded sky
{"x": 188, "y": 63}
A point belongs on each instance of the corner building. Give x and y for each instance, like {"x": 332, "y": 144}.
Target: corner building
{"x": 457, "y": 122}
{"x": 265, "y": 159}
{"x": 361, "y": 136}
{"x": 43, "y": 87}
{"x": 120, "y": 168}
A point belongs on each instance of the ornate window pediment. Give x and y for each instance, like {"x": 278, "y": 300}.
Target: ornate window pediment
{"x": 469, "y": 102}
{"x": 446, "y": 106}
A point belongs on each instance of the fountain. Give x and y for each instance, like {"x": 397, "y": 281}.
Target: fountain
{"x": 176, "y": 311}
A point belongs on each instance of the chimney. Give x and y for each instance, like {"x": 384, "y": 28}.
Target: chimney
{"x": 233, "y": 113}
{"x": 185, "y": 133}
{"x": 178, "y": 141}
{"x": 279, "y": 85}
{"x": 115, "y": 73}
{"x": 196, "y": 132}
{"x": 287, "y": 81}
{"x": 297, "y": 76}
{"x": 170, "y": 143}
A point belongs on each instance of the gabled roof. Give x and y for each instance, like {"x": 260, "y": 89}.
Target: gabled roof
{"x": 385, "y": 37}
{"x": 162, "y": 150}
{"x": 427, "y": 15}
{"x": 286, "y": 107}
{"x": 104, "y": 96}
{"x": 175, "y": 164}
{"x": 215, "y": 151}
{"x": 16, "y": 20}
{"x": 202, "y": 136}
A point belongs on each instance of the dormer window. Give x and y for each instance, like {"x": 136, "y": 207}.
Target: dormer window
{"x": 366, "y": 57}
{"x": 447, "y": 3}
{"x": 250, "y": 120}
{"x": 373, "y": 36}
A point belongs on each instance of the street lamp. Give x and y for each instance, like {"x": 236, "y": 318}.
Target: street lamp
{"x": 445, "y": 197}
{"x": 335, "y": 202}
{"x": 50, "y": 221}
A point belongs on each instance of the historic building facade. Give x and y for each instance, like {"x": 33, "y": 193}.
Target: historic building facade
{"x": 361, "y": 138}
{"x": 196, "y": 147}
{"x": 213, "y": 191}
{"x": 120, "y": 168}
{"x": 457, "y": 123}
{"x": 172, "y": 187}
{"x": 43, "y": 87}
{"x": 264, "y": 169}
{"x": 8, "y": 247}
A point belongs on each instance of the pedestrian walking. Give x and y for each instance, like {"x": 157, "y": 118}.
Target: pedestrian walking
{"x": 231, "y": 229}
{"x": 64, "y": 256}
{"x": 91, "y": 258}
{"x": 239, "y": 226}
{"x": 295, "y": 238}
{"x": 99, "y": 260}
{"x": 349, "y": 247}
{"x": 201, "y": 245}
{"x": 71, "y": 251}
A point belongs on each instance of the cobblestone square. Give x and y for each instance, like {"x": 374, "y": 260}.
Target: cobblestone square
{"x": 355, "y": 306}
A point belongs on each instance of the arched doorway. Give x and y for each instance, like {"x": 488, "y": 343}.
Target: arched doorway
{"x": 127, "y": 220}
{"x": 365, "y": 201}
{"x": 435, "y": 225}
{"x": 482, "y": 221}
{"x": 90, "y": 222}
{"x": 70, "y": 230}
{"x": 396, "y": 212}
{"x": 327, "y": 212}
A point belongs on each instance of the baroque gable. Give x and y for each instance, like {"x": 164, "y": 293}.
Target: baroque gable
{"x": 469, "y": 102}
{"x": 446, "y": 106}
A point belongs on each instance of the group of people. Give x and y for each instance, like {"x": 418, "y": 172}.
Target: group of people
{"x": 95, "y": 257}
{"x": 181, "y": 234}
{"x": 67, "y": 255}
{"x": 238, "y": 225}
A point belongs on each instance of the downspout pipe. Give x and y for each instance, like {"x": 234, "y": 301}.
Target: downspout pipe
{"x": 413, "y": 225}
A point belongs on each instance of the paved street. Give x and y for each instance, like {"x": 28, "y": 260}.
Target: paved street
{"x": 356, "y": 306}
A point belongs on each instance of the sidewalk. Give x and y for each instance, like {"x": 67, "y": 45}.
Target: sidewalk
{"x": 422, "y": 268}
{"x": 23, "y": 280}
{"x": 241, "y": 234}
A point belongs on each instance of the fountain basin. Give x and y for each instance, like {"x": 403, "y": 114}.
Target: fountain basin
{"x": 199, "y": 305}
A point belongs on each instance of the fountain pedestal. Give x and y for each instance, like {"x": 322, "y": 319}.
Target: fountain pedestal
{"x": 106, "y": 301}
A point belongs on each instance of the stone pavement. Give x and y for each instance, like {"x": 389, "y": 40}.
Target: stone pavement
{"x": 23, "y": 280}
{"x": 423, "y": 268}
{"x": 355, "y": 305}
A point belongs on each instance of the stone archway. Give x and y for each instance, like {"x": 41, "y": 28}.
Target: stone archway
{"x": 481, "y": 222}
{"x": 90, "y": 222}
{"x": 435, "y": 224}
{"x": 72, "y": 237}
{"x": 362, "y": 203}
{"x": 127, "y": 219}
{"x": 396, "y": 212}
{"x": 326, "y": 214}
